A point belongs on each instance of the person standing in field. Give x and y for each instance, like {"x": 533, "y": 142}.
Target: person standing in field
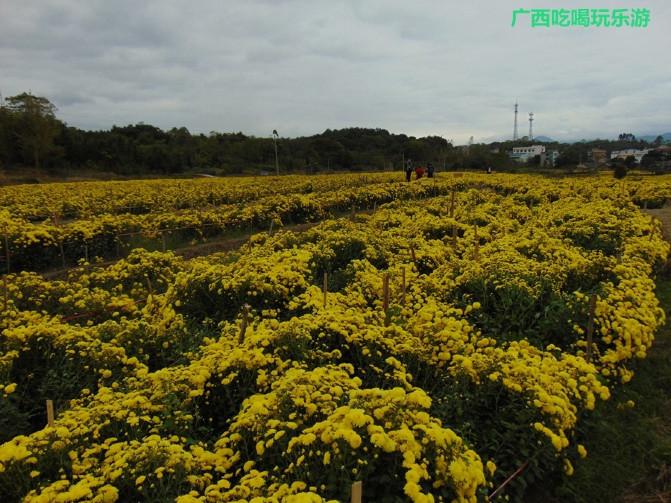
{"x": 408, "y": 170}
{"x": 429, "y": 170}
{"x": 419, "y": 172}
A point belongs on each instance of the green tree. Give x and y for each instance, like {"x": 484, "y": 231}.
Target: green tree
{"x": 620, "y": 170}
{"x": 534, "y": 161}
{"x": 36, "y": 126}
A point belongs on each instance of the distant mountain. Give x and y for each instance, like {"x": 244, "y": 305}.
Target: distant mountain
{"x": 543, "y": 139}
{"x": 652, "y": 137}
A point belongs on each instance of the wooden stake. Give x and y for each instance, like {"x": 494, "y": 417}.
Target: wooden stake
{"x": 7, "y": 252}
{"x": 412, "y": 254}
{"x": 243, "y": 325}
{"x": 50, "y": 413}
{"x": 270, "y": 231}
{"x": 86, "y": 252}
{"x": 452, "y": 204}
{"x": 4, "y": 288}
{"x": 403, "y": 286}
{"x": 385, "y": 298}
{"x": 357, "y": 492}
{"x": 56, "y": 222}
{"x": 645, "y": 204}
{"x": 353, "y": 211}
{"x": 590, "y": 326}
{"x": 326, "y": 286}
{"x": 60, "y": 245}
{"x": 454, "y": 235}
{"x": 149, "y": 286}
{"x": 508, "y": 480}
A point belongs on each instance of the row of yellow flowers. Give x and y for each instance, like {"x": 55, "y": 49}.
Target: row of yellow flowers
{"x": 49, "y": 244}
{"x": 87, "y": 199}
{"x": 164, "y": 402}
{"x": 40, "y": 233}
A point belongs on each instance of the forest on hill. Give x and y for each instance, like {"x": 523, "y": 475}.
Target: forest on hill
{"x": 31, "y": 135}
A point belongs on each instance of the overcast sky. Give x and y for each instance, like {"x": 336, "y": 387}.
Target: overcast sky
{"x": 445, "y": 67}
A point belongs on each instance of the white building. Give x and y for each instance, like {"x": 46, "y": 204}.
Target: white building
{"x": 633, "y": 152}
{"x": 523, "y": 154}
{"x": 549, "y": 158}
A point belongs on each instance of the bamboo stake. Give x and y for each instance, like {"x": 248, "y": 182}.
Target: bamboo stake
{"x": 357, "y": 492}
{"x": 50, "y": 413}
{"x": 385, "y": 298}
{"x": 243, "y": 325}
{"x": 60, "y": 245}
{"x": 270, "y": 231}
{"x": 414, "y": 257}
{"x": 7, "y": 252}
{"x": 452, "y": 204}
{"x": 508, "y": 480}
{"x": 403, "y": 286}
{"x": 325, "y": 287}
{"x": 590, "y": 326}
{"x": 4, "y": 288}
{"x": 57, "y": 223}
{"x": 86, "y": 252}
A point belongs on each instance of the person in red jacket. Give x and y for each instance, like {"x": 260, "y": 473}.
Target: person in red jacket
{"x": 419, "y": 172}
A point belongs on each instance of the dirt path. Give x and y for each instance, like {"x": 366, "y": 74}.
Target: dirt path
{"x": 213, "y": 246}
{"x": 663, "y": 214}
{"x": 222, "y": 245}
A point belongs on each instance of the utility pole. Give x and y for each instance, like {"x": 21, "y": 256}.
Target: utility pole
{"x": 515, "y": 128}
{"x": 531, "y": 126}
{"x": 277, "y": 164}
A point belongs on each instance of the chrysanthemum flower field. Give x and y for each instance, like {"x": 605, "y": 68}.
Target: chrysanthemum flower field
{"x": 428, "y": 344}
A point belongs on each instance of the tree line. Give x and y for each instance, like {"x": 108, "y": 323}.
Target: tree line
{"x": 32, "y": 135}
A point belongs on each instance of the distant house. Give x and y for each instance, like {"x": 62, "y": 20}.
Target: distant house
{"x": 549, "y": 158}
{"x": 599, "y": 156}
{"x": 523, "y": 154}
{"x": 630, "y": 152}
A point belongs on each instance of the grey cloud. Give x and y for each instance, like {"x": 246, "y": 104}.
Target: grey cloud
{"x": 425, "y": 67}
